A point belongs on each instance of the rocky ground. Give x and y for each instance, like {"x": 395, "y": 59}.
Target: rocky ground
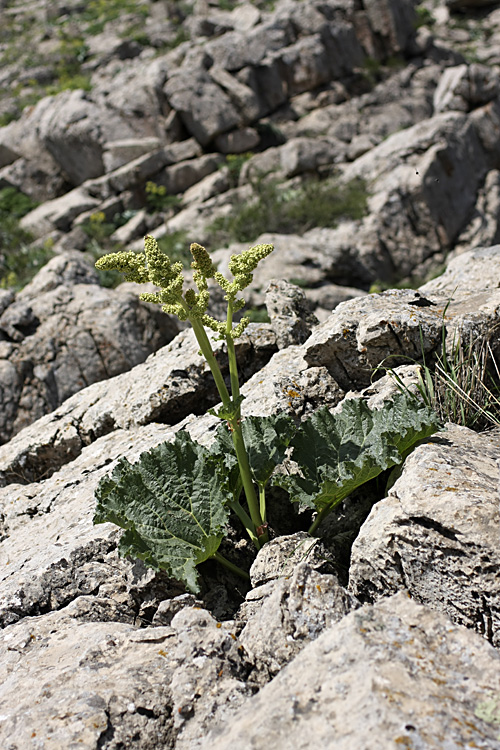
{"x": 362, "y": 140}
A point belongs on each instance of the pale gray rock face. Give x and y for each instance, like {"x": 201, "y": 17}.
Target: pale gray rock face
{"x": 121, "y": 684}
{"x": 290, "y": 313}
{"x": 169, "y": 385}
{"x": 290, "y": 613}
{"x": 387, "y": 675}
{"x": 437, "y": 532}
{"x": 73, "y": 129}
{"x": 63, "y": 333}
{"x": 465, "y": 87}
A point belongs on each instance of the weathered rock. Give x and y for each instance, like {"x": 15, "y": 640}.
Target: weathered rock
{"x": 290, "y": 313}
{"x": 237, "y": 141}
{"x": 362, "y": 332}
{"x": 184, "y": 174}
{"x": 436, "y": 534}
{"x": 279, "y": 558}
{"x": 465, "y": 87}
{"x": 58, "y": 213}
{"x": 483, "y": 228}
{"x": 471, "y": 273}
{"x": 64, "y": 332}
{"x": 391, "y": 674}
{"x": 205, "y": 109}
{"x": 289, "y": 613}
{"x": 172, "y": 383}
{"x": 7, "y": 155}
{"x": 117, "y": 682}
{"x": 118, "y": 153}
{"x": 74, "y": 129}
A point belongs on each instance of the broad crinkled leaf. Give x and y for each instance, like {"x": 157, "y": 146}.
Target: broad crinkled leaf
{"x": 172, "y": 505}
{"x": 336, "y": 453}
{"x": 266, "y": 440}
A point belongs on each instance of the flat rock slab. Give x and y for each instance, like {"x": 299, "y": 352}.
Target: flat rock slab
{"x": 390, "y": 675}
{"x": 103, "y": 686}
{"x": 169, "y": 385}
{"x": 437, "y": 533}
{"x": 51, "y": 552}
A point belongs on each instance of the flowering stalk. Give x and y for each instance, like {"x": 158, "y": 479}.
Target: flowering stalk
{"x": 154, "y": 266}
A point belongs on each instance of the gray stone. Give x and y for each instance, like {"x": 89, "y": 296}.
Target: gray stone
{"x": 118, "y": 153}
{"x": 279, "y": 557}
{"x": 204, "y": 108}
{"x": 483, "y": 228}
{"x": 301, "y": 155}
{"x": 465, "y": 87}
{"x": 387, "y": 675}
{"x": 237, "y": 141}
{"x": 289, "y": 614}
{"x": 68, "y": 332}
{"x": 436, "y": 534}
{"x": 7, "y": 155}
{"x": 290, "y": 313}
{"x": 74, "y": 129}
{"x": 117, "y": 681}
{"x": 58, "y": 213}
{"x": 181, "y": 176}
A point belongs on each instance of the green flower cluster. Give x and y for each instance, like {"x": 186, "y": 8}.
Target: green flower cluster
{"x": 155, "y": 266}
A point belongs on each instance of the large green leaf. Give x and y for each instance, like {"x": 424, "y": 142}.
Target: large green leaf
{"x": 266, "y": 440}
{"x": 172, "y": 505}
{"x": 337, "y": 453}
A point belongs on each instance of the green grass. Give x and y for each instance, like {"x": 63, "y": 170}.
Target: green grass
{"x": 19, "y": 259}
{"x": 291, "y": 211}
{"x": 461, "y": 382}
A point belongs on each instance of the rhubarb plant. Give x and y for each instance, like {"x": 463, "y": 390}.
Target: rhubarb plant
{"x": 174, "y": 503}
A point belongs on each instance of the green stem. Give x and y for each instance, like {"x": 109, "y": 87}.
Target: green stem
{"x": 206, "y": 349}
{"x": 262, "y": 501}
{"x": 246, "y": 521}
{"x": 231, "y": 354}
{"x": 238, "y": 441}
{"x": 319, "y": 518}
{"x": 235, "y": 424}
{"x": 231, "y": 566}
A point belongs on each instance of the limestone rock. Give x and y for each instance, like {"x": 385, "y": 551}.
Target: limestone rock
{"x": 391, "y": 674}
{"x": 465, "y": 87}
{"x": 205, "y": 109}
{"x": 64, "y": 332}
{"x": 290, "y": 613}
{"x": 290, "y": 313}
{"x": 436, "y": 534}
{"x": 117, "y": 681}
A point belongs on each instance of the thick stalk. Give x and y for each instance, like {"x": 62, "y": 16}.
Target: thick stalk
{"x": 231, "y": 354}
{"x": 206, "y": 349}
{"x": 231, "y": 566}
{"x": 238, "y": 441}
{"x": 262, "y": 502}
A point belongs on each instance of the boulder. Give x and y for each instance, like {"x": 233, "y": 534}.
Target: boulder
{"x": 64, "y": 332}
{"x": 58, "y": 213}
{"x": 74, "y": 130}
{"x": 205, "y": 109}
{"x": 436, "y": 534}
{"x": 117, "y": 681}
{"x": 465, "y": 87}
{"x": 390, "y": 674}
{"x": 290, "y": 313}
{"x": 118, "y": 153}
